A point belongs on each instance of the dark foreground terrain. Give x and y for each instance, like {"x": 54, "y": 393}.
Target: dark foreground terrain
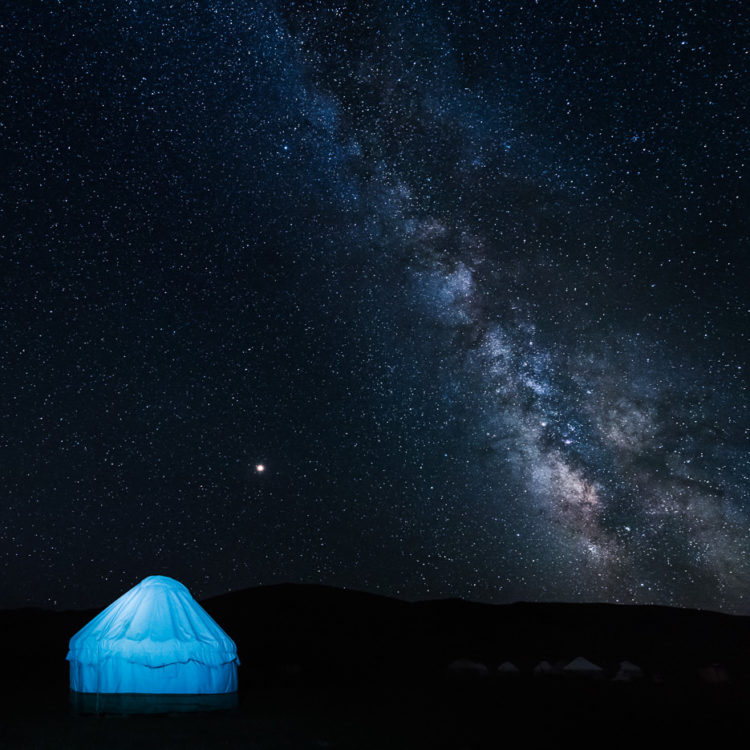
{"x": 323, "y": 668}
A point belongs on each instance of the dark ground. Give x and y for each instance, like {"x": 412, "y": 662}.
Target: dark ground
{"x": 323, "y": 668}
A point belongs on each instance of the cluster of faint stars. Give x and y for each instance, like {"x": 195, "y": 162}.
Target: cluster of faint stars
{"x": 471, "y": 282}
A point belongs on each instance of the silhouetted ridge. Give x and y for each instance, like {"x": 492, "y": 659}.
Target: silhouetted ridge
{"x": 326, "y": 635}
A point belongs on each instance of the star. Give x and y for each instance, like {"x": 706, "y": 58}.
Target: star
{"x": 458, "y": 296}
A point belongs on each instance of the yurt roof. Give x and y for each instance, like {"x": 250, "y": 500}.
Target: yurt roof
{"x": 157, "y": 622}
{"x": 579, "y": 664}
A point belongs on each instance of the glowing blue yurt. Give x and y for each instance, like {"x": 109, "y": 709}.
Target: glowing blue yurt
{"x": 155, "y": 649}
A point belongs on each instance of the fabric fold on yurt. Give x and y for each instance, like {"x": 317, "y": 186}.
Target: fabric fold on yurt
{"x": 154, "y": 640}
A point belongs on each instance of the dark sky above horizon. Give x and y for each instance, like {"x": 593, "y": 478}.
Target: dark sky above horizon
{"x": 468, "y": 279}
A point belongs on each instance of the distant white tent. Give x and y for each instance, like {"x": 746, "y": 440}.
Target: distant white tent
{"x": 153, "y": 649}
{"x": 582, "y": 667}
{"x": 508, "y": 668}
{"x": 467, "y": 668}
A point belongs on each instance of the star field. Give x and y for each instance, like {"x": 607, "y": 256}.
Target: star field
{"x": 428, "y": 299}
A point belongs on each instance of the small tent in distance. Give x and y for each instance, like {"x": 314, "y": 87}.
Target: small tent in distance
{"x": 153, "y": 650}
{"x": 581, "y": 667}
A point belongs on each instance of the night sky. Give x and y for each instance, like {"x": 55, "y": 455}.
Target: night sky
{"x": 467, "y": 279}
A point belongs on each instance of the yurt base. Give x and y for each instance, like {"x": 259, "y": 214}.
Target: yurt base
{"x": 149, "y": 703}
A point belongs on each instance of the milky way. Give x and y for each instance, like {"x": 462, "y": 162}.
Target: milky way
{"x": 418, "y": 298}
